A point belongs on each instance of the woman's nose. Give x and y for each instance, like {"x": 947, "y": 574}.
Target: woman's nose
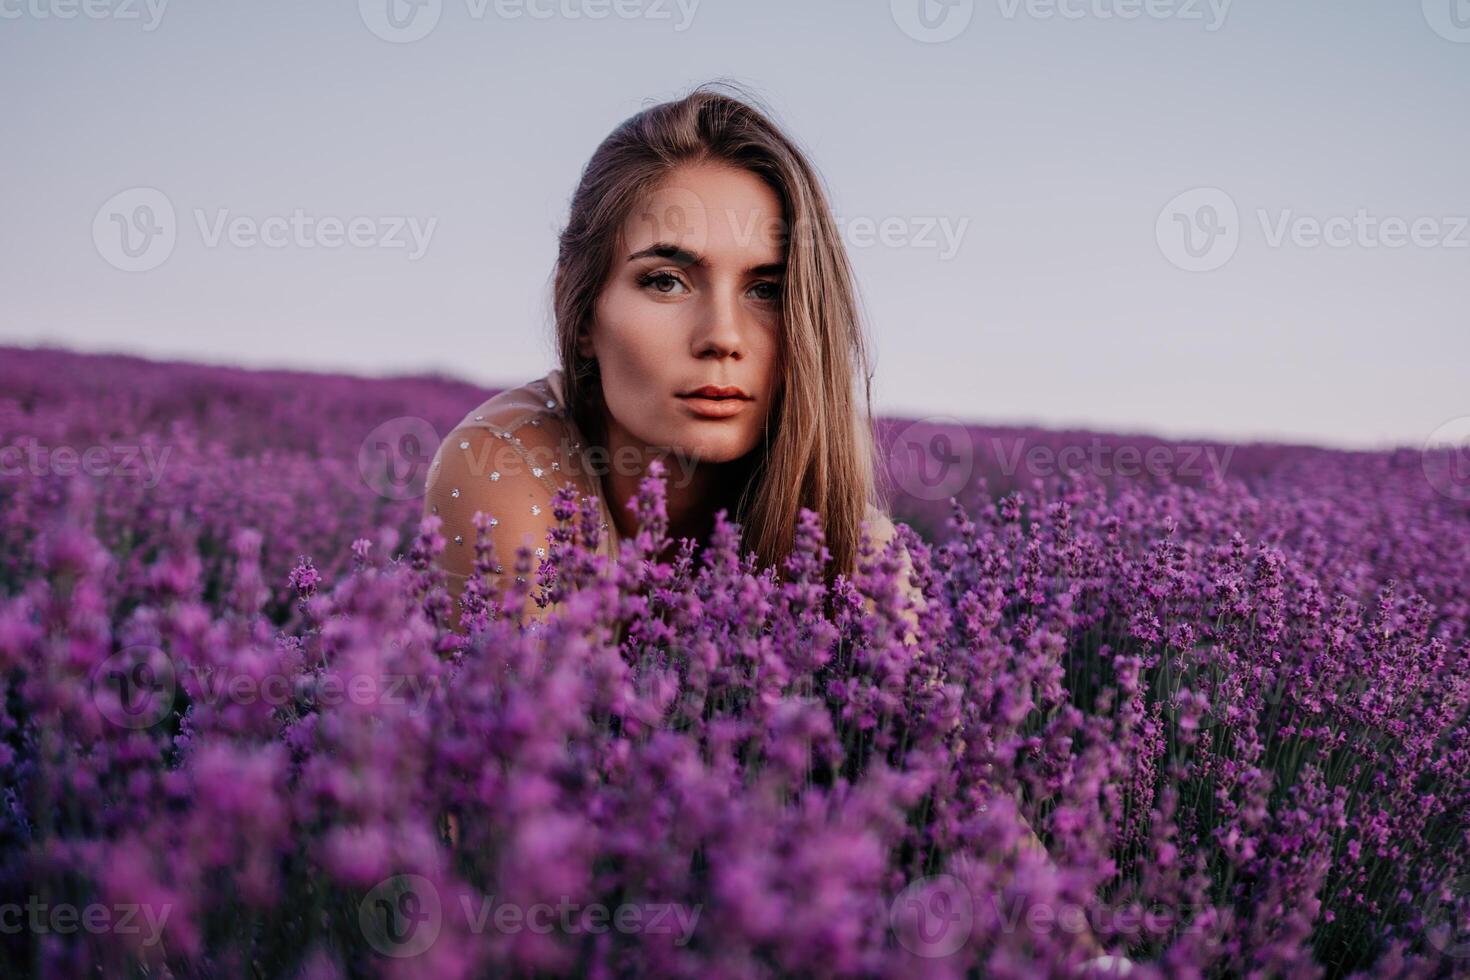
{"x": 721, "y": 330}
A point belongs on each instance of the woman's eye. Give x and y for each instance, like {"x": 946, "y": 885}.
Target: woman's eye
{"x": 773, "y": 291}
{"x": 659, "y": 281}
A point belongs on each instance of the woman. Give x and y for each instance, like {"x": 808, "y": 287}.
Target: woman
{"x": 705, "y": 316}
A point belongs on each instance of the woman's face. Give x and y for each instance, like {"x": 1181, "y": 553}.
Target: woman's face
{"x": 693, "y": 299}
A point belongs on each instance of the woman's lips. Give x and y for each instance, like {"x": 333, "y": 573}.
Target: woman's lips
{"x": 714, "y": 408}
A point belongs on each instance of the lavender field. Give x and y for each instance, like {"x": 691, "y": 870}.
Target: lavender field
{"x": 1226, "y": 685}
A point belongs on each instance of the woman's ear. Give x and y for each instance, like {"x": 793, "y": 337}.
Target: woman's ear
{"x": 584, "y": 345}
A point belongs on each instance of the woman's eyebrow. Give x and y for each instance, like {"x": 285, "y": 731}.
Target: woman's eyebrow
{"x": 684, "y": 258}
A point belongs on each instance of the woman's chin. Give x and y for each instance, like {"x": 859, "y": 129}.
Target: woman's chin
{"x": 713, "y": 451}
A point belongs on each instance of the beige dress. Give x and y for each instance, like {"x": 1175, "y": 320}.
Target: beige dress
{"x": 507, "y": 458}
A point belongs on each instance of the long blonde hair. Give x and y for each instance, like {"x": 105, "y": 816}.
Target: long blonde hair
{"x": 818, "y": 452}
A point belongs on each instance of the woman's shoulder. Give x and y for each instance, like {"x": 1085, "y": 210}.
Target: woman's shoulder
{"x": 880, "y": 525}
{"x": 534, "y": 403}
{"x": 519, "y": 441}
{"x": 883, "y": 532}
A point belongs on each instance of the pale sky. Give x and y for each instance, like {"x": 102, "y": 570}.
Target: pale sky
{"x": 1015, "y": 180}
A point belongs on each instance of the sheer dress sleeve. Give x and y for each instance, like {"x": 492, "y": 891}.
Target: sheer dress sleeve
{"x": 507, "y": 460}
